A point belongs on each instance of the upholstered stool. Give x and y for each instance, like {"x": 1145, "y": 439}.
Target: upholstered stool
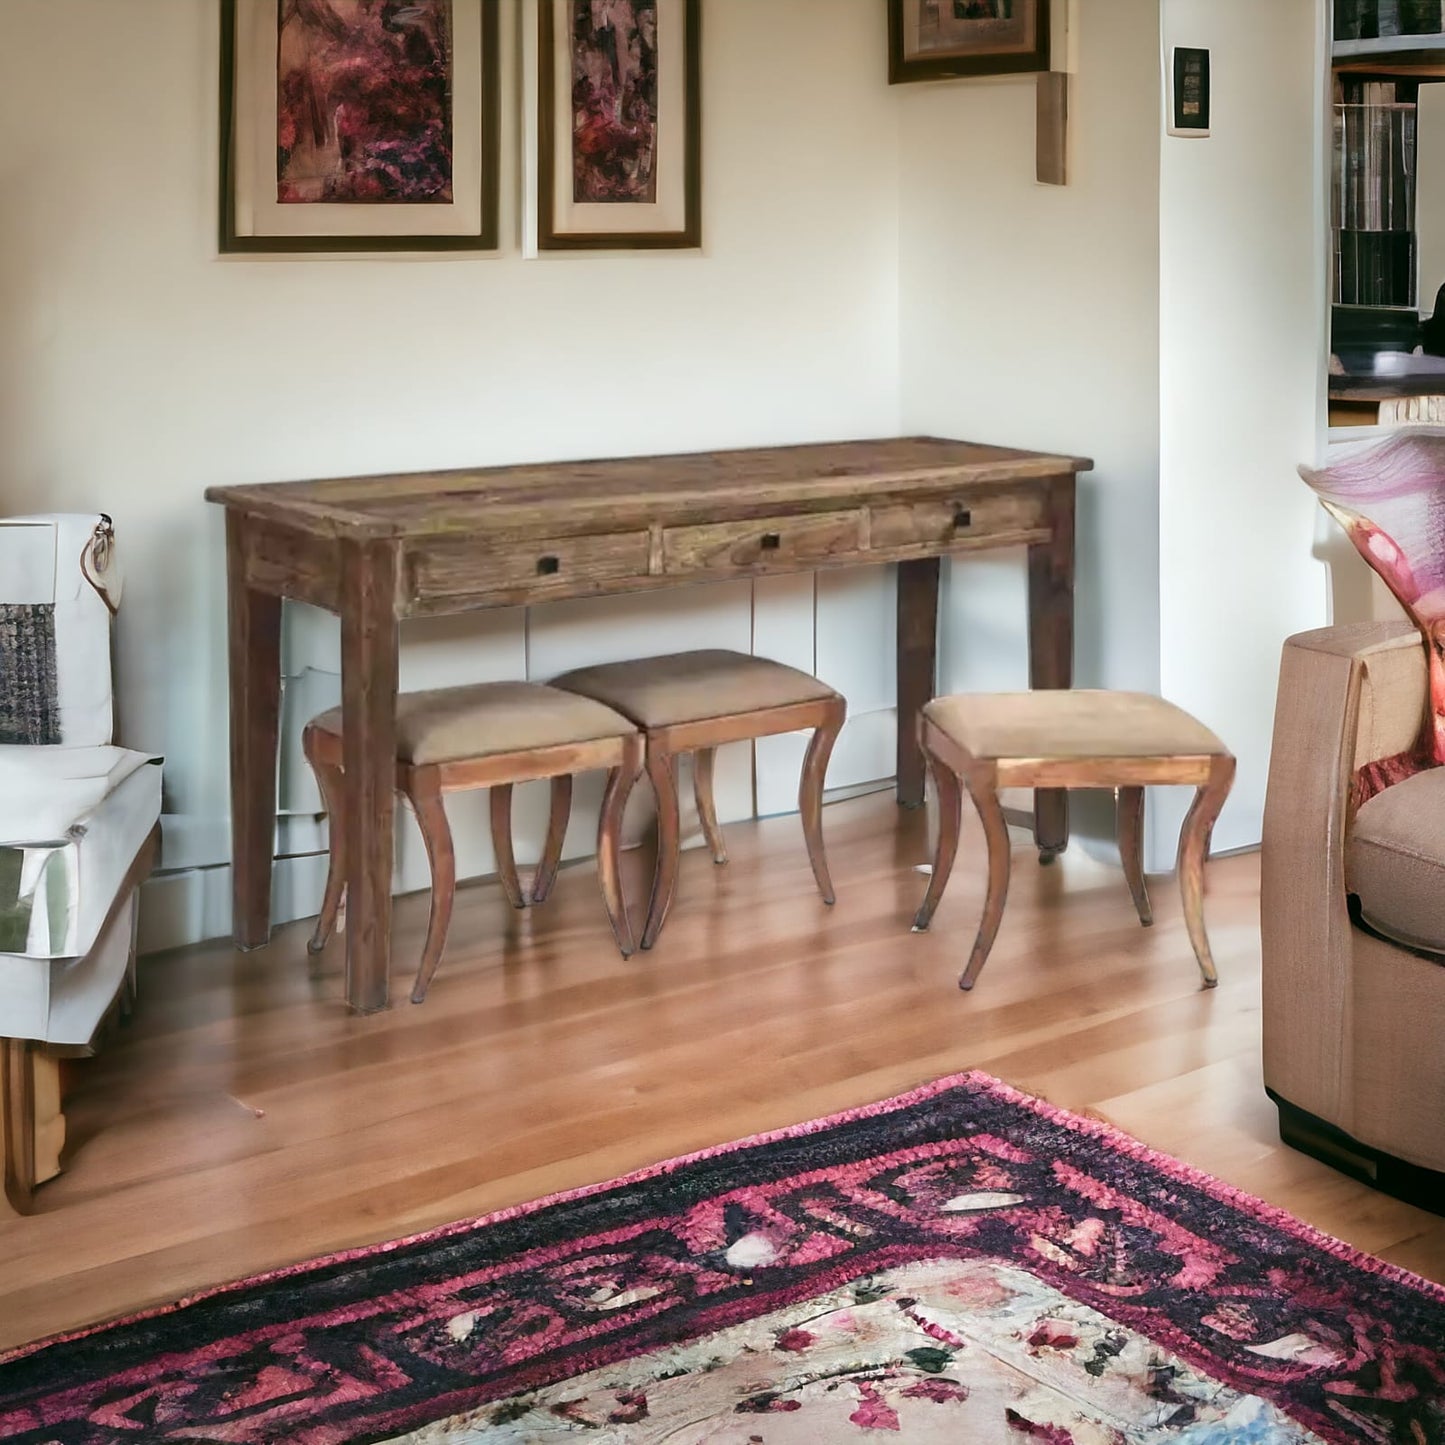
{"x": 1071, "y": 739}
{"x": 490, "y": 735}
{"x": 696, "y": 701}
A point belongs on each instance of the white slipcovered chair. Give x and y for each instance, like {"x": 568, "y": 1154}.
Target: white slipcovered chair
{"x": 79, "y": 827}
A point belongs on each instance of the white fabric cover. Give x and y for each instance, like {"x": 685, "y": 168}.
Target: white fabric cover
{"x": 40, "y": 564}
{"x": 78, "y": 817}
{"x": 73, "y": 816}
{"x": 62, "y": 1000}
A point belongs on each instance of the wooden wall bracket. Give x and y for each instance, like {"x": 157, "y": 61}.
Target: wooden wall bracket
{"x": 1051, "y": 137}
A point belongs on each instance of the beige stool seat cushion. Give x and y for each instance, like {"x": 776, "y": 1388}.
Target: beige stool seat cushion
{"x": 1071, "y": 723}
{"x": 446, "y": 724}
{"x": 690, "y": 687}
{"x": 1395, "y": 861}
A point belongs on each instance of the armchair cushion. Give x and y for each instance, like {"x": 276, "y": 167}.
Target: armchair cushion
{"x": 1395, "y": 861}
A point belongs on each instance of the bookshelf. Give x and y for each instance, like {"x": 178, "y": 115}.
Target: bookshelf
{"x": 1367, "y": 29}
{"x": 1393, "y": 54}
{"x": 1373, "y": 194}
{"x": 1382, "y": 52}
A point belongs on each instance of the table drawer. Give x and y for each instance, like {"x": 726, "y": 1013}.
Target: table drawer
{"x": 764, "y": 542}
{"x": 461, "y": 566}
{"x": 939, "y": 523}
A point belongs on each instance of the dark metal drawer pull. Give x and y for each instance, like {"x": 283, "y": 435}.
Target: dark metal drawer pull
{"x": 962, "y": 517}
{"x": 771, "y": 541}
{"x": 547, "y": 566}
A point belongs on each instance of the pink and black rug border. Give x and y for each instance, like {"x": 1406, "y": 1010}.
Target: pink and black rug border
{"x": 361, "y": 1345}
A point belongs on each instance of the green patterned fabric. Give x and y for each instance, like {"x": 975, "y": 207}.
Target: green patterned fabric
{"x": 14, "y": 910}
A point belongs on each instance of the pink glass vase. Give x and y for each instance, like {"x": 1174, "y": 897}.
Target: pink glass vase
{"x": 1390, "y": 499}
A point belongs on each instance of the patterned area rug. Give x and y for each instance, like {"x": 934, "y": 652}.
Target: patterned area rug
{"x": 961, "y": 1264}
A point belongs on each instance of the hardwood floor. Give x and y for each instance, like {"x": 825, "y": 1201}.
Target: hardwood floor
{"x": 244, "y": 1120}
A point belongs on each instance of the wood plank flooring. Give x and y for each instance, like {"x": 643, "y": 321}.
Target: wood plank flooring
{"x": 244, "y": 1120}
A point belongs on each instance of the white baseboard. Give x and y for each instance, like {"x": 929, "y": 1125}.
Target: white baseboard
{"x": 191, "y": 906}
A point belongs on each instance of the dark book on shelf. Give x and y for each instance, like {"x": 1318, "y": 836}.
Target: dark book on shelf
{"x": 1381, "y": 19}
{"x": 1420, "y": 17}
{"x": 1376, "y": 268}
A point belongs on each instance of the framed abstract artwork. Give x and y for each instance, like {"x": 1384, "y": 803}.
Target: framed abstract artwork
{"x": 359, "y": 125}
{"x": 939, "y": 39}
{"x": 619, "y": 124}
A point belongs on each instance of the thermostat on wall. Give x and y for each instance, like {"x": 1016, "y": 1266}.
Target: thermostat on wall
{"x": 1189, "y": 92}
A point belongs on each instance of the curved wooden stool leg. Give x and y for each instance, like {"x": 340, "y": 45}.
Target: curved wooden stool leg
{"x": 329, "y": 779}
{"x": 436, "y": 833}
{"x": 810, "y": 795}
{"x": 1193, "y": 844}
{"x": 950, "y": 821}
{"x": 662, "y": 770}
{"x": 984, "y": 792}
{"x": 1129, "y": 810}
{"x": 546, "y": 874}
{"x": 702, "y": 769}
{"x": 17, "y": 1126}
{"x": 609, "y": 845}
{"x": 501, "y": 808}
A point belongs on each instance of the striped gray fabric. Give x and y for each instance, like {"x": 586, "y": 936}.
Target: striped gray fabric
{"x": 29, "y": 693}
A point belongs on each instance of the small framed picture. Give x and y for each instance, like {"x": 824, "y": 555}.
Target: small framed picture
{"x": 619, "y": 124}
{"x": 1189, "y": 91}
{"x": 359, "y": 125}
{"x": 939, "y": 39}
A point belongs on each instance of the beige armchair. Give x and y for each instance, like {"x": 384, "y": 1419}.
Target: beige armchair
{"x": 1353, "y": 911}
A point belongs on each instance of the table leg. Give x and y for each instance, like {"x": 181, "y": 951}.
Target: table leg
{"x": 917, "y": 668}
{"x": 254, "y": 624}
{"x": 1051, "y": 645}
{"x": 368, "y": 724}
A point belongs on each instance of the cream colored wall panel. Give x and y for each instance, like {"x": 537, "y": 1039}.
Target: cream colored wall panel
{"x": 587, "y": 630}
{"x": 784, "y": 629}
{"x": 866, "y": 751}
{"x": 983, "y": 626}
{"x": 488, "y": 646}
{"x": 857, "y": 635}
{"x": 779, "y": 764}
{"x": 784, "y": 619}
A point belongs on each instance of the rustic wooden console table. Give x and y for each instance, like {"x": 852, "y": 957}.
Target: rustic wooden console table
{"x": 378, "y": 549}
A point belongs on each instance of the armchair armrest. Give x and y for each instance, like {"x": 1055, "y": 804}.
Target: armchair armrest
{"x": 1348, "y": 697}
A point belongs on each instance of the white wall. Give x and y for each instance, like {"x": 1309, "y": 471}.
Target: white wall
{"x": 1164, "y": 314}
{"x": 136, "y": 367}
{"x": 878, "y": 259}
{"x": 1030, "y": 316}
{"x": 1242, "y": 285}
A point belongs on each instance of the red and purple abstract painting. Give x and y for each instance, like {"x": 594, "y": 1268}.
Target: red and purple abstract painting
{"x": 614, "y": 100}
{"x": 364, "y": 101}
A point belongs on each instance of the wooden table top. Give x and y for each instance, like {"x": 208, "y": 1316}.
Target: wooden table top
{"x": 627, "y": 489}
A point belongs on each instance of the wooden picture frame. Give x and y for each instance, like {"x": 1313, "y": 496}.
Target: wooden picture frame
{"x": 942, "y": 40}
{"x": 354, "y": 164}
{"x": 642, "y": 191}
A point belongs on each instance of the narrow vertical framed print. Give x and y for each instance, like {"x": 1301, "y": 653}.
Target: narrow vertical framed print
{"x": 1189, "y": 91}
{"x": 359, "y": 125}
{"x": 619, "y": 124}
